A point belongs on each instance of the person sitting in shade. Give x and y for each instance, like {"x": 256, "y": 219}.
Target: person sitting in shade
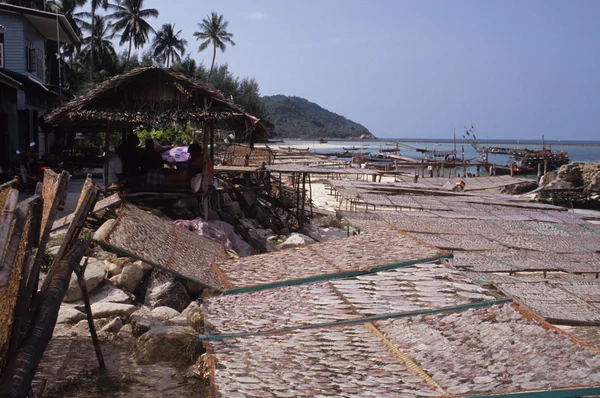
{"x": 196, "y": 165}
{"x": 115, "y": 167}
{"x": 151, "y": 164}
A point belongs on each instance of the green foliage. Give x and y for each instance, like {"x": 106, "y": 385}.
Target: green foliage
{"x": 213, "y": 30}
{"x": 168, "y": 47}
{"x": 296, "y": 117}
{"x": 130, "y": 20}
{"x": 172, "y": 135}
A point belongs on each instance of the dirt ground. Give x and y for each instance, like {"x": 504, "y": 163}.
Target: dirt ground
{"x": 69, "y": 368}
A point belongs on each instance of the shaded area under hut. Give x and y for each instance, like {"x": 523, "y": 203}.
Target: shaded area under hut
{"x": 156, "y": 96}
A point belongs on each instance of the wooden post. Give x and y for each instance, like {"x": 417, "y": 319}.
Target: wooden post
{"x": 212, "y": 141}
{"x": 539, "y": 173}
{"x": 545, "y": 166}
{"x": 512, "y": 172}
{"x": 478, "y": 170}
{"x": 79, "y": 271}
{"x": 423, "y": 168}
{"x": 205, "y": 140}
{"x": 463, "y": 161}
{"x": 303, "y": 200}
{"x": 106, "y": 157}
{"x": 310, "y": 195}
{"x": 280, "y": 188}
{"x": 21, "y": 367}
{"x": 416, "y": 178}
{"x": 443, "y": 171}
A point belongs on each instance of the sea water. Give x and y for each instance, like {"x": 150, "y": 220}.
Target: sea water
{"x": 578, "y": 151}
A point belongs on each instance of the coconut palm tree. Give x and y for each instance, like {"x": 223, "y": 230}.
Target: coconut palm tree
{"x": 95, "y": 4}
{"x": 130, "y": 21}
{"x": 68, "y": 8}
{"x": 100, "y": 39}
{"x": 167, "y": 46}
{"x": 213, "y": 30}
{"x": 187, "y": 66}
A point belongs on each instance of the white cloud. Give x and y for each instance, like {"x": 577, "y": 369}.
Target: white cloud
{"x": 256, "y": 15}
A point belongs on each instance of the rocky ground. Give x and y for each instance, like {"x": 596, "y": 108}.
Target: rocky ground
{"x": 148, "y": 321}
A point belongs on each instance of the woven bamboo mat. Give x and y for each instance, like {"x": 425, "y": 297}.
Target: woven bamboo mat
{"x": 587, "y": 290}
{"x": 552, "y": 303}
{"x": 416, "y": 288}
{"x": 163, "y": 244}
{"x": 489, "y": 277}
{"x": 550, "y": 244}
{"x": 341, "y": 361}
{"x": 459, "y": 242}
{"x": 101, "y": 205}
{"x": 10, "y": 289}
{"x": 481, "y": 262}
{"x": 429, "y": 286}
{"x": 375, "y": 199}
{"x": 53, "y": 190}
{"x": 333, "y": 259}
{"x": 493, "y": 350}
{"x": 4, "y": 189}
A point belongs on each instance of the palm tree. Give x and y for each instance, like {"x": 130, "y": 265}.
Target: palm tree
{"x": 100, "y": 39}
{"x": 167, "y": 46}
{"x": 130, "y": 21}
{"x": 68, "y": 8}
{"x": 95, "y": 4}
{"x": 187, "y": 66}
{"x": 213, "y": 31}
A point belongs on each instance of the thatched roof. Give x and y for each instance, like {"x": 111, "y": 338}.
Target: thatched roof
{"x": 153, "y": 96}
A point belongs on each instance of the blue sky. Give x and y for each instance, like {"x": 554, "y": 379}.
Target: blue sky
{"x": 513, "y": 69}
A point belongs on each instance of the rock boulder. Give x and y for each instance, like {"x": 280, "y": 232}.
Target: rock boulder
{"x": 94, "y": 274}
{"x": 69, "y": 314}
{"x": 130, "y": 277}
{"x": 295, "y": 240}
{"x": 167, "y": 343}
{"x": 110, "y": 310}
{"x": 165, "y": 290}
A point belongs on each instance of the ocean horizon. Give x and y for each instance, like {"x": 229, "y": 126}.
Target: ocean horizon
{"x": 480, "y": 141}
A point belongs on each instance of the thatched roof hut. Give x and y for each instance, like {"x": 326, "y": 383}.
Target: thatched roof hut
{"x": 154, "y": 96}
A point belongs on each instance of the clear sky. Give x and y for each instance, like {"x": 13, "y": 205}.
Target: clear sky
{"x": 512, "y": 68}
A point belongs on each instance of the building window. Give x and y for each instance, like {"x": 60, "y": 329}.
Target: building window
{"x": 31, "y": 56}
{"x": 1, "y": 50}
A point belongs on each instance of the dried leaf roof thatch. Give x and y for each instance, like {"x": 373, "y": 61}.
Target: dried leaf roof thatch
{"x": 154, "y": 96}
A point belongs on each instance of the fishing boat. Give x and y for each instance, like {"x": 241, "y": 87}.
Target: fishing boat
{"x": 355, "y": 148}
{"x": 323, "y": 141}
{"x": 517, "y": 169}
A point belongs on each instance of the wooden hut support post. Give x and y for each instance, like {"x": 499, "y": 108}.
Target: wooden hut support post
{"x": 106, "y": 157}
{"x": 303, "y": 200}
{"x": 205, "y": 141}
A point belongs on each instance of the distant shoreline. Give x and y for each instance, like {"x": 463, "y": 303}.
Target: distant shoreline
{"x": 458, "y": 141}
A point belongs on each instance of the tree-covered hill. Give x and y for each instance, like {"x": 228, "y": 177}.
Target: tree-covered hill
{"x": 296, "y": 117}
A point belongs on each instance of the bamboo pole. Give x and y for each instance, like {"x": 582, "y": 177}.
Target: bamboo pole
{"x": 79, "y": 272}
{"x": 21, "y": 368}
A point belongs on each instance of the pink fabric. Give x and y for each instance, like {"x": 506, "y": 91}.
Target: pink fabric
{"x": 219, "y": 231}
